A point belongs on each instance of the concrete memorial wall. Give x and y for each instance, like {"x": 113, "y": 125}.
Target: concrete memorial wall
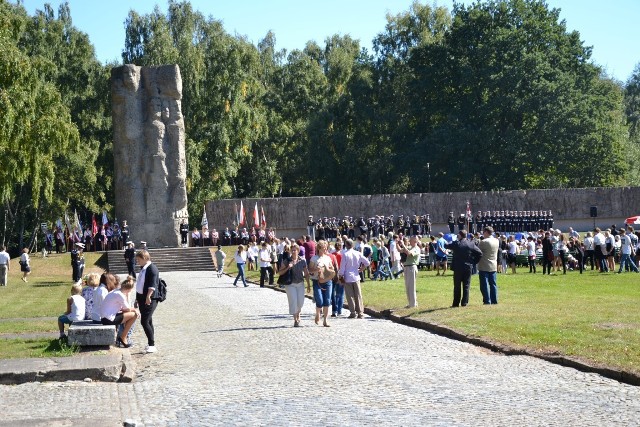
{"x": 570, "y": 207}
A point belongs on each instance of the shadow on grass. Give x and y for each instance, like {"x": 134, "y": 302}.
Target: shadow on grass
{"x": 51, "y": 284}
{"x": 431, "y": 310}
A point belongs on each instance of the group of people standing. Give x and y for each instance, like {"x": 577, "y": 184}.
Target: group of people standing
{"x": 99, "y": 238}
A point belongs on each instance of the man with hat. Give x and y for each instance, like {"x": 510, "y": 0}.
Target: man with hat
{"x": 77, "y": 262}
{"x": 143, "y": 245}
{"x": 311, "y": 227}
{"x": 184, "y": 233}
{"x": 451, "y": 221}
{"x": 129, "y": 257}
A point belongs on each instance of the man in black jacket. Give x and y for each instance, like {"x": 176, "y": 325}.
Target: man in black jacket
{"x": 465, "y": 255}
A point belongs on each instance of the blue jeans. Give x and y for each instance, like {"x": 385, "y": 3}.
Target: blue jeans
{"x": 383, "y": 270}
{"x": 337, "y": 299}
{"x": 240, "y": 275}
{"x": 488, "y": 287}
{"x": 322, "y": 293}
{"x": 626, "y": 258}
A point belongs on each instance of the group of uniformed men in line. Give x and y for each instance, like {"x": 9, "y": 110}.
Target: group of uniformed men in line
{"x": 502, "y": 221}
{"x": 329, "y": 228}
{"x": 506, "y": 221}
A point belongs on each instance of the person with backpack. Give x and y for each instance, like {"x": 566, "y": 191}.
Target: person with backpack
{"x": 147, "y": 294}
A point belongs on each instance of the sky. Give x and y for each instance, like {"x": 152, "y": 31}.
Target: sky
{"x": 612, "y": 31}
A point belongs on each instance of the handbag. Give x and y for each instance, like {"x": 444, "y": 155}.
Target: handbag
{"x": 284, "y": 279}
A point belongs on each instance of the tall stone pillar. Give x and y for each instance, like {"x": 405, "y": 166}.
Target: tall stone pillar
{"x": 148, "y": 152}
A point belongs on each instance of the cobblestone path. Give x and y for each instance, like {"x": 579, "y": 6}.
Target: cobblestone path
{"x": 230, "y": 356}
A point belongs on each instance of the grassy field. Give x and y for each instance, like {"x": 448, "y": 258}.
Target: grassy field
{"x": 29, "y": 307}
{"x": 593, "y": 317}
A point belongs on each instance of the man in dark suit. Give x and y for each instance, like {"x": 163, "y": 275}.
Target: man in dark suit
{"x": 465, "y": 255}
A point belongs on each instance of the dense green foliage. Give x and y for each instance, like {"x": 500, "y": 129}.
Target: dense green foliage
{"x": 494, "y": 95}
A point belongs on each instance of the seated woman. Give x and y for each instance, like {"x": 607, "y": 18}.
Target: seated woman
{"x": 116, "y": 310}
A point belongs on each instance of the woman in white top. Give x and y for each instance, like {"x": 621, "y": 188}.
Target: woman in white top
{"x": 241, "y": 260}
{"x": 298, "y": 272}
{"x": 589, "y": 250}
{"x": 25, "y": 265}
{"x": 610, "y": 249}
{"x": 116, "y": 310}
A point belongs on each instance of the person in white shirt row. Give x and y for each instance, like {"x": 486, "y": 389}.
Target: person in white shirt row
{"x": 4, "y": 266}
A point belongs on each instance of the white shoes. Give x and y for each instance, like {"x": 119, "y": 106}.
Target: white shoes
{"x": 151, "y": 349}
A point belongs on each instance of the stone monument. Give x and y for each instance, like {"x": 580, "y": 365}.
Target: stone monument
{"x": 148, "y": 152}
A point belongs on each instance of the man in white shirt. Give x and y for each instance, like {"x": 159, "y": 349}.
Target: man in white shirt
{"x": 488, "y": 266}
{"x": 626, "y": 249}
{"x": 4, "y": 266}
{"x": 512, "y": 253}
{"x": 351, "y": 265}
{"x": 600, "y": 249}
{"x": 589, "y": 252}
{"x": 264, "y": 258}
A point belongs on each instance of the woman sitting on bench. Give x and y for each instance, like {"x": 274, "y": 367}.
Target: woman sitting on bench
{"x": 115, "y": 310}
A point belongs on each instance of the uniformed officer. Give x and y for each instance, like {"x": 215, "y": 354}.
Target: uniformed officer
{"x": 77, "y": 261}
{"x": 451, "y": 221}
{"x": 311, "y": 228}
{"x": 184, "y": 234}
{"x": 126, "y": 236}
{"x": 129, "y": 257}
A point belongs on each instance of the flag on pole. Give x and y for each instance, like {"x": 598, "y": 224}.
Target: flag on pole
{"x": 67, "y": 222}
{"x": 205, "y": 222}
{"x": 236, "y": 220}
{"x": 468, "y": 215}
{"x": 241, "y": 219}
{"x": 94, "y": 225}
{"x": 76, "y": 221}
{"x": 105, "y": 220}
{"x": 59, "y": 223}
{"x": 264, "y": 218}
{"x": 256, "y": 216}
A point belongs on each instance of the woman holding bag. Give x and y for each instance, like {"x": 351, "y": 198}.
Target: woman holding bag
{"x": 297, "y": 271}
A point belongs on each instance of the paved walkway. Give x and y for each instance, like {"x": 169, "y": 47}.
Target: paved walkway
{"x": 229, "y": 356}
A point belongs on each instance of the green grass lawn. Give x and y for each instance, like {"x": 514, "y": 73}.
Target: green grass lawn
{"x": 24, "y": 305}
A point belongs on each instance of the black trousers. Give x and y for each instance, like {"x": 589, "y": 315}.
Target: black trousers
{"x": 183, "y": 237}
{"x": 131, "y": 269}
{"x": 590, "y": 256}
{"x": 461, "y": 285}
{"x": 266, "y": 271}
{"x": 146, "y": 317}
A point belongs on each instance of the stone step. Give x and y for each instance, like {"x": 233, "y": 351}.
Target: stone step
{"x": 168, "y": 259}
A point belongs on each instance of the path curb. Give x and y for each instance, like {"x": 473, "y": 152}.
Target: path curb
{"x": 117, "y": 366}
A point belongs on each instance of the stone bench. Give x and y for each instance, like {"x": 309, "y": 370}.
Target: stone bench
{"x": 87, "y": 333}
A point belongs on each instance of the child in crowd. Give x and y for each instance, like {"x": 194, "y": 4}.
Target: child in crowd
{"x": 75, "y": 309}
{"x": 91, "y": 281}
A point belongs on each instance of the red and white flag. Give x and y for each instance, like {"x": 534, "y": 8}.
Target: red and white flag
{"x": 241, "y": 221}
{"x": 256, "y": 217}
{"x": 264, "y": 218}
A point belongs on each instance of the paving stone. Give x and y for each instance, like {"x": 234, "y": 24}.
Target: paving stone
{"x": 230, "y": 356}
